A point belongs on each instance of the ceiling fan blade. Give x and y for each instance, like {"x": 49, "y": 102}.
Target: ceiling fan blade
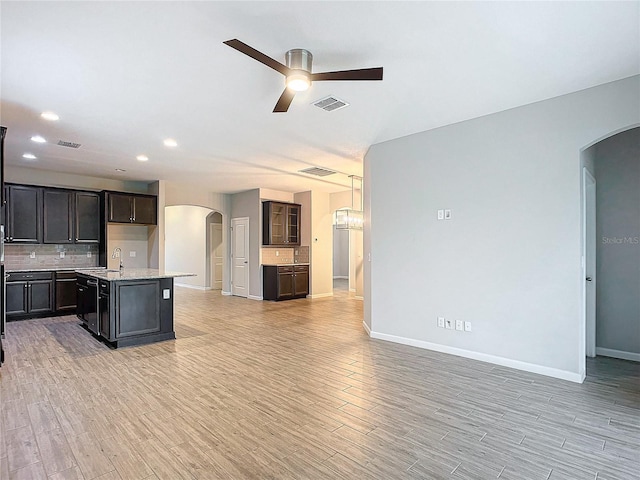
{"x": 360, "y": 74}
{"x": 259, "y": 56}
{"x": 284, "y": 101}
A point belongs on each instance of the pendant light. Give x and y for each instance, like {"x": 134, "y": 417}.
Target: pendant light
{"x": 350, "y": 218}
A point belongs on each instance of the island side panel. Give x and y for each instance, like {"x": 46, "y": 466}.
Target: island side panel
{"x": 138, "y": 307}
{"x": 166, "y": 305}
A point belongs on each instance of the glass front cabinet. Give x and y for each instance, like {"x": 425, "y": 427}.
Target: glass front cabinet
{"x": 280, "y": 224}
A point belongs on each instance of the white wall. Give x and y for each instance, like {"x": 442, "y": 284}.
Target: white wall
{"x": 617, "y": 168}
{"x": 186, "y": 243}
{"x": 49, "y": 178}
{"x": 321, "y": 249}
{"x": 509, "y": 260}
{"x": 132, "y": 239}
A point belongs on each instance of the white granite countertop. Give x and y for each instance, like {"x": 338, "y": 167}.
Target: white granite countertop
{"x": 132, "y": 274}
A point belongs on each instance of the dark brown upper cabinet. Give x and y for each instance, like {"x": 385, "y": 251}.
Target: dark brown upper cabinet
{"x": 71, "y": 216}
{"x": 281, "y": 224}
{"x": 58, "y": 216}
{"x": 87, "y": 217}
{"x": 24, "y": 214}
{"x": 132, "y": 208}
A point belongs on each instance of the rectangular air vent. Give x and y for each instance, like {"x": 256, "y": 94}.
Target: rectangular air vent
{"x": 320, "y": 172}
{"x": 63, "y": 143}
{"x": 330, "y": 103}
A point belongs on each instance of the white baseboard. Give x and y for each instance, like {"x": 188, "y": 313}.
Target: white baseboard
{"x": 483, "y": 357}
{"x": 226, "y": 294}
{"x": 321, "y": 295}
{"x": 366, "y": 328}
{"x": 254, "y": 297}
{"x": 340, "y": 277}
{"x": 608, "y": 352}
{"x": 194, "y": 287}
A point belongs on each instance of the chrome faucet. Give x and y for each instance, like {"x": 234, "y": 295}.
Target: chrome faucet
{"x": 117, "y": 253}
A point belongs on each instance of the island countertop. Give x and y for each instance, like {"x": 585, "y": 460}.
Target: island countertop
{"x": 132, "y": 274}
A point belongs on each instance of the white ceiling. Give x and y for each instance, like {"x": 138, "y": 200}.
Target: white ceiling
{"x": 125, "y": 75}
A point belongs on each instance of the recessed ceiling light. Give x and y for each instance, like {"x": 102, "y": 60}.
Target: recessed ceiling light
{"x": 50, "y": 116}
{"x": 170, "y": 142}
{"x": 142, "y": 158}
{"x": 38, "y": 139}
{"x": 120, "y": 170}
{"x": 29, "y": 156}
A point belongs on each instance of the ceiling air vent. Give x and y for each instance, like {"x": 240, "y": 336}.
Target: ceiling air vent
{"x": 63, "y": 143}
{"x": 320, "y": 172}
{"x": 331, "y": 103}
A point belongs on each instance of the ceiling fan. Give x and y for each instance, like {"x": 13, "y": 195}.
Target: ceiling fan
{"x": 298, "y": 71}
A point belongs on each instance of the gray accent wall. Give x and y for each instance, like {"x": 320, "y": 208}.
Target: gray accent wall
{"x": 509, "y": 260}
{"x": 247, "y": 204}
{"x": 617, "y": 167}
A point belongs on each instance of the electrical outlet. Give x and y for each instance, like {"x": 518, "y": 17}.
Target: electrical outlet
{"x": 116, "y": 253}
{"x": 61, "y": 254}
{"x": 132, "y": 253}
{"x": 277, "y": 253}
{"x": 441, "y": 322}
{"x": 459, "y": 325}
{"x": 32, "y": 255}
{"x": 447, "y": 214}
{"x": 467, "y": 326}
{"x": 88, "y": 254}
{"x": 448, "y": 324}
{"x": 440, "y": 214}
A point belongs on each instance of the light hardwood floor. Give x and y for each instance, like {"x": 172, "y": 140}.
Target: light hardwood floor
{"x": 297, "y": 390}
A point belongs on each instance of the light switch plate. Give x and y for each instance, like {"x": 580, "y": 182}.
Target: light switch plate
{"x": 440, "y": 214}
{"x": 441, "y": 322}
{"x": 132, "y": 253}
{"x": 32, "y": 255}
{"x": 166, "y": 293}
{"x": 448, "y": 324}
{"x": 447, "y": 214}
{"x": 459, "y": 325}
{"x": 61, "y": 254}
{"x": 88, "y": 254}
{"x": 467, "y": 326}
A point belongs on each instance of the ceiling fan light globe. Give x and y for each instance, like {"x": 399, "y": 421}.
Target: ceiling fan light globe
{"x": 298, "y": 82}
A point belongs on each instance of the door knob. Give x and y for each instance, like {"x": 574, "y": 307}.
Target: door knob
{"x": 589, "y": 279}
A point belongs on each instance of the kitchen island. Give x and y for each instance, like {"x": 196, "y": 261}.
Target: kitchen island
{"x": 132, "y": 306}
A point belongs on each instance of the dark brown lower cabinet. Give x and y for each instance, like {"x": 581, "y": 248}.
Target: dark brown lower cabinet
{"x": 284, "y": 282}
{"x": 29, "y": 294}
{"x": 66, "y": 294}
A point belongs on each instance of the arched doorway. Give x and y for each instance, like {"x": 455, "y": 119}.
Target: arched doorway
{"x": 215, "y": 250}
{"x": 195, "y": 242}
{"x": 611, "y": 246}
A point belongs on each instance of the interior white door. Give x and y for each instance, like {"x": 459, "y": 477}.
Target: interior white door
{"x": 590, "y": 261}
{"x": 240, "y": 256}
{"x": 216, "y": 256}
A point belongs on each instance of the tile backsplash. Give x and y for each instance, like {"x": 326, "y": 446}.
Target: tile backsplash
{"x": 18, "y": 257}
{"x": 285, "y": 255}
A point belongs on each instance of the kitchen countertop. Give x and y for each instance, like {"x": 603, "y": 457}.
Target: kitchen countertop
{"x": 132, "y": 274}
{"x": 282, "y": 264}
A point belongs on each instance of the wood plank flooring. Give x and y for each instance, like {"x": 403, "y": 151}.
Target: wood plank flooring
{"x": 296, "y": 390}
